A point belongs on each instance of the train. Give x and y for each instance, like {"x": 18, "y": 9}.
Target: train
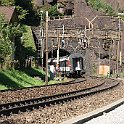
{"x": 70, "y": 66}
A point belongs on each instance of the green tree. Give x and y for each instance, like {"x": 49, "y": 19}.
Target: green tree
{"x": 20, "y": 11}
{"x": 101, "y": 6}
{"x": 5, "y": 42}
{"x": 7, "y": 2}
{"x": 27, "y": 13}
{"x": 11, "y": 44}
{"x": 9, "y": 35}
{"x": 53, "y": 11}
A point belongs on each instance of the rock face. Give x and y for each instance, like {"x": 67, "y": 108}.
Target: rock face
{"x": 116, "y": 4}
{"x": 82, "y": 10}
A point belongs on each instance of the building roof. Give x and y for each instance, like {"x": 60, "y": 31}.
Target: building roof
{"x": 7, "y": 12}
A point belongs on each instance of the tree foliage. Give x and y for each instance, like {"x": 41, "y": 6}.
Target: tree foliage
{"x": 11, "y": 44}
{"x": 28, "y": 14}
{"x": 101, "y": 6}
{"x": 9, "y": 34}
{"x": 5, "y": 42}
{"x": 20, "y": 11}
{"x": 25, "y": 10}
{"x": 7, "y": 2}
{"x": 53, "y": 11}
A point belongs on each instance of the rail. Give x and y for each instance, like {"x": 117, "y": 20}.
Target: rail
{"x": 16, "y": 107}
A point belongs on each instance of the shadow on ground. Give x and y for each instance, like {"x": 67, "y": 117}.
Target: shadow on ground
{"x": 33, "y": 73}
{"x": 9, "y": 83}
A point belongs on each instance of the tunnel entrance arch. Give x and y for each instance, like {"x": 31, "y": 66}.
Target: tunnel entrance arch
{"x": 53, "y": 54}
{"x": 62, "y": 52}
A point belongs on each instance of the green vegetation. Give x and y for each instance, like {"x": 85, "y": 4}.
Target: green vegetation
{"x": 28, "y": 38}
{"x": 14, "y": 79}
{"x": 52, "y": 10}
{"x": 17, "y": 42}
{"x": 11, "y": 45}
{"x": 101, "y": 6}
{"x": 26, "y": 13}
{"x": 25, "y": 46}
{"x": 7, "y": 2}
{"x": 17, "y": 47}
{"x": 28, "y": 77}
{"x": 5, "y": 42}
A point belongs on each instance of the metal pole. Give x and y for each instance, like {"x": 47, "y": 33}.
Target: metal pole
{"x": 58, "y": 40}
{"x": 46, "y": 77}
{"x": 42, "y": 35}
{"x": 117, "y": 56}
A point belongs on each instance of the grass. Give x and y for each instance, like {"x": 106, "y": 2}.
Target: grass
{"x": 30, "y": 77}
{"x": 26, "y": 47}
{"x": 14, "y": 79}
{"x": 28, "y": 38}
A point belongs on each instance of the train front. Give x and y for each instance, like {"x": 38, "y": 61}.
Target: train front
{"x": 76, "y": 60}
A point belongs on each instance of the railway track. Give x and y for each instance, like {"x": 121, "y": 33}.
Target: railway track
{"x": 26, "y": 105}
{"x": 49, "y": 90}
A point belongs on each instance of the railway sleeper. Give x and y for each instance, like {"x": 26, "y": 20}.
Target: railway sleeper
{"x": 24, "y": 105}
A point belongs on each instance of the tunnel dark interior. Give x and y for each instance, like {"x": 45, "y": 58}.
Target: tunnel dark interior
{"x": 62, "y": 52}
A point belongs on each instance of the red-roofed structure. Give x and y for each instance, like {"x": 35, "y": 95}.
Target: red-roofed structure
{"x": 10, "y": 13}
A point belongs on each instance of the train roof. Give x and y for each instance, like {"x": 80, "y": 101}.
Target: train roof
{"x": 60, "y": 59}
{"x": 74, "y": 55}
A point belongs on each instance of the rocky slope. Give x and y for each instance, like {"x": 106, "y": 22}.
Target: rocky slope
{"x": 116, "y": 4}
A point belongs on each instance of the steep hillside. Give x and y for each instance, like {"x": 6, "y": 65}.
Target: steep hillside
{"x": 116, "y": 4}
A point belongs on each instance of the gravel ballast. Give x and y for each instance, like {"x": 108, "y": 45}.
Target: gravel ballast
{"x": 19, "y": 95}
{"x": 56, "y": 114}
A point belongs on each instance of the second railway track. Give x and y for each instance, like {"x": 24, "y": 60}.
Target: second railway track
{"x": 15, "y": 107}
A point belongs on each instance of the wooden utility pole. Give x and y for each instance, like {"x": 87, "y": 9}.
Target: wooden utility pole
{"x": 46, "y": 77}
{"x": 119, "y": 54}
{"x": 42, "y": 37}
{"x": 120, "y": 14}
{"x": 120, "y": 41}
